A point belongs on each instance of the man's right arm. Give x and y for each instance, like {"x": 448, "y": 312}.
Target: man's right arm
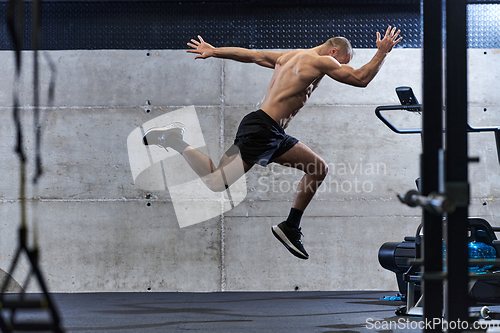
{"x": 262, "y": 58}
{"x": 355, "y": 77}
{"x": 364, "y": 75}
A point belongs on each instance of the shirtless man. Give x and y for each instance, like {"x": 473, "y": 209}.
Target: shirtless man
{"x": 261, "y": 138}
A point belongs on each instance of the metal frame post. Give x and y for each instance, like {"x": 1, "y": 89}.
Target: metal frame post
{"x": 457, "y": 186}
{"x": 432, "y": 141}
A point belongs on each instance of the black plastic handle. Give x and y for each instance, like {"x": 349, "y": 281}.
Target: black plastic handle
{"x": 417, "y": 108}
{"x": 410, "y": 108}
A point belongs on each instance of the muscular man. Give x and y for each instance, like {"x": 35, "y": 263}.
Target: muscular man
{"x": 261, "y": 138}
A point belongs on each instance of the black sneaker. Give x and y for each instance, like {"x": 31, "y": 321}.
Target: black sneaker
{"x": 290, "y": 237}
{"x": 160, "y": 136}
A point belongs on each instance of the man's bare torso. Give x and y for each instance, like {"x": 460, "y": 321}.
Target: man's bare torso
{"x": 294, "y": 79}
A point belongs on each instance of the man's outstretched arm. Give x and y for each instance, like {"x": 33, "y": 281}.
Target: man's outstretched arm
{"x": 205, "y": 50}
{"x": 364, "y": 75}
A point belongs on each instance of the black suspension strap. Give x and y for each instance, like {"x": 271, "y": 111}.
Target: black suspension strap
{"x": 12, "y": 303}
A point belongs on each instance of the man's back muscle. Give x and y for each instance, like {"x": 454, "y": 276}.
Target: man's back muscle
{"x": 295, "y": 77}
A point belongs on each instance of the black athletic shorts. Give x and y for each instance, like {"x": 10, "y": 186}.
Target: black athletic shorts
{"x": 261, "y": 139}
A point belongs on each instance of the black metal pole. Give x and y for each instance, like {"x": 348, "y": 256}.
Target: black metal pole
{"x": 457, "y": 186}
{"x": 432, "y": 141}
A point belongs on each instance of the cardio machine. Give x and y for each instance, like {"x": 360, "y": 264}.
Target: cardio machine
{"x": 402, "y": 258}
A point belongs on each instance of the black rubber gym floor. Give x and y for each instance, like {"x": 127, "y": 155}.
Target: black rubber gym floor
{"x": 233, "y": 312}
{"x": 230, "y": 312}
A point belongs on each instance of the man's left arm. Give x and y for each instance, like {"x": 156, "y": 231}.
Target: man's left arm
{"x": 205, "y": 50}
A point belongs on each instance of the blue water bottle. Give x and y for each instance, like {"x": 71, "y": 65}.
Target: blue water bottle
{"x": 478, "y": 250}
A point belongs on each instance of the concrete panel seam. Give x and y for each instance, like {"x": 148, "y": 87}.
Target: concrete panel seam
{"x": 30, "y": 200}
{"x": 89, "y": 200}
{"x": 335, "y": 200}
{"x": 141, "y": 107}
{"x": 222, "y": 217}
{"x": 77, "y": 107}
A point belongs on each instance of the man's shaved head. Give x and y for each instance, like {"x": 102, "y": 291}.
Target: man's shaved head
{"x": 343, "y": 46}
{"x": 341, "y": 43}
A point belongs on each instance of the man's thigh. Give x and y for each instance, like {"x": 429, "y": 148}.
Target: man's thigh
{"x": 303, "y": 158}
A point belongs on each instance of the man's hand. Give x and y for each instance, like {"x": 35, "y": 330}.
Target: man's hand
{"x": 204, "y": 50}
{"x": 390, "y": 39}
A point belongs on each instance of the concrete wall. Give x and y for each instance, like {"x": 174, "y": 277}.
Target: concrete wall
{"x": 100, "y": 232}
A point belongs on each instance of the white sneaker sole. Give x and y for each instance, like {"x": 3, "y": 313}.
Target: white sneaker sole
{"x": 172, "y": 125}
{"x": 278, "y": 233}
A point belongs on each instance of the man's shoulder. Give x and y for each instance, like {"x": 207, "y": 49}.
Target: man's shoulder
{"x": 287, "y": 55}
{"x": 327, "y": 62}
{"x": 306, "y": 56}
{"x": 302, "y": 54}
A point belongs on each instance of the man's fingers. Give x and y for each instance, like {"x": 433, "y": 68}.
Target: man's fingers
{"x": 201, "y": 39}
{"x": 192, "y": 45}
{"x": 378, "y": 36}
{"x": 396, "y": 39}
{"x": 194, "y": 41}
{"x": 396, "y": 35}
{"x": 388, "y": 31}
{"x": 200, "y": 55}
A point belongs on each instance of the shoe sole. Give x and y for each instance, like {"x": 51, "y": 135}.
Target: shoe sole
{"x": 278, "y": 233}
{"x": 172, "y": 125}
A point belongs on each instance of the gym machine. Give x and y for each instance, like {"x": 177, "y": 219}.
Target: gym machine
{"x": 404, "y": 258}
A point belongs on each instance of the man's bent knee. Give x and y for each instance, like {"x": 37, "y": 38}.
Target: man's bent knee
{"x": 215, "y": 182}
{"x": 318, "y": 169}
{"x": 324, "y": 169}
